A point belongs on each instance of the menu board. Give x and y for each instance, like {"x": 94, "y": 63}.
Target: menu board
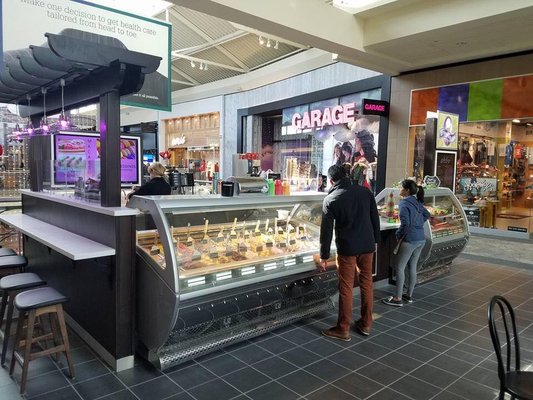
{"x": 445, "y": 164}
{"x": 78, "y": 155}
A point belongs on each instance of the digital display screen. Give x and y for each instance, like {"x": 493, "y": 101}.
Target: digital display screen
{"x": 78, "y": 155}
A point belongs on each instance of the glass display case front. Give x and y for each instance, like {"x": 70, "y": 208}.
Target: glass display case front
{"x": 220, "y": 245}
{"x": 446, "y": 231}
{"x": 214, "y": 270}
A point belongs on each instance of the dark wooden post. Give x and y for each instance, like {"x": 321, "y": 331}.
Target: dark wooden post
{"x": 110, "y": 149}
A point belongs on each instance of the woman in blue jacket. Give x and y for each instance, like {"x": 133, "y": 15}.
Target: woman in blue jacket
{"x": 413, "y": 215}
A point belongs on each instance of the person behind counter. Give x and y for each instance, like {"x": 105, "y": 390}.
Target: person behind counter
{"x": 350, "y": 210}
{"x": 157, "y": 185}
{"x": 413, "y": 215}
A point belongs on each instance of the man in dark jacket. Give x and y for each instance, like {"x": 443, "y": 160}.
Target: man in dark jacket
{"x": 352, "y": 211}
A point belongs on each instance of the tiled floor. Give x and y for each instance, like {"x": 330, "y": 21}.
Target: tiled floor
{"x": 436, "y": 348}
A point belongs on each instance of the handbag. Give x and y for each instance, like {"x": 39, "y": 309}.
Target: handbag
{"x": 399, "y": 244}
{"x": 400, "y": 240}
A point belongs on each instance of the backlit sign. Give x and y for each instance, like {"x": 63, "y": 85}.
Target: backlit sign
{"x": 327, "y": 116}
{"x": 375, "y": 107}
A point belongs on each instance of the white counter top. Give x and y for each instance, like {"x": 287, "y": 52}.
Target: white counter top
{"x": 71, "y": 201}
{"x": 69, "y": 244}
{"x": 384, "y": 226}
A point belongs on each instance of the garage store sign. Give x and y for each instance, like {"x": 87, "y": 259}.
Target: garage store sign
{"x": 337, "y": 115}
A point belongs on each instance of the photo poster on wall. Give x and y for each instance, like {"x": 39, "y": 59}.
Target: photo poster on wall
{"x": 478, "y": 186}
{"x": 25, "y": 23}
{"x": 77, "y": 155}
{"x": 447, "y": 131}
{"x": 445, "y": 166}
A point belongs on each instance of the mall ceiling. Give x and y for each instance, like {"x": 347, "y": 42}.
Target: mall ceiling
{"x": 389, "y": 36}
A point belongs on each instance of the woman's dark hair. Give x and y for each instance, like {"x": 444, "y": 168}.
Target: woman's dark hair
{"x": 367, "y": 144}
{"x": 341, "y": 159}
{"x": 347, "y": 146}
{"x": 414, "y": 189}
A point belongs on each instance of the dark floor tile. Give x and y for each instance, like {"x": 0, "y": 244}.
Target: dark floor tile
{"x": 441, "y": 339}
{"x": 388, "y": 341}
{"x": 464, "y": 356}
{"x": 400, "y": 362}
{"x": 215, "y": 389}
{"x": 418, "y": 352}
{"x": 358, "y": 385}
{"x": 66, "y": 393}
{"x": 466, "y": 326}
{"x": 246, "y": 379}
{"x": 223, "y": 365}
{"x": 272, "y": 390}
{"x": 424, "y": 324}
{"x": 327, "y": 370}
{"x": 329, "y": 393}
{"x": 484, "y": 377}
{"x": 388, "y": 394}
{"x": 435, "y": 376}
{"x": 82, "y": 354}
{"x": 471, "y": 390}
{"x": 158, "y": 388}
{"x": 191, "y": 376}
{"x": 482, "y": 341}
{"x": 323, "y": 347}
{"x": 380, "y": 373}
{"x": 299, "y": 336}
{"x": 450, "y": 364}
{"x": 414, "y": 388}
{"x": 43, "y": 383}
{"x": 186, "y": 396}
{"x": 407, "y": 332}
{"x": 274, "y": 367}
{"x": 437, "y": 318}
{"x": 251, "y": 354}
{"x": 370, "y": 350}
{"x": 99, "y": 387}
{"x": 276, "y": 345}
{"x": 302, "y": 382}
{"x": 451, "y": 333}
{"x": 141, "y": 372}
{"x": 120, "y": 395}
{"x": 88, "y": 370}
{"x": 350, "y": 360}
{"x": 11, "y": 392}
{"x": 300, "y": 357}
{"x": 476, "y": 350}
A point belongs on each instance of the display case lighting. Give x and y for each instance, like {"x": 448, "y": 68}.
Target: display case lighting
{"x": 289, "y": 262}
{"x": 247, "y": 271}
{"x": 196, "y": 281}
{"x": 223, "y": 275}
{"x": 270, "y": 266}
{"x": 307, "y": 259}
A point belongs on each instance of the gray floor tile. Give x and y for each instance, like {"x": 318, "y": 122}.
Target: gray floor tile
{"x": 275, "y": 367}
{"x": 246, "y": 379}
{"x": 276, "y": 345}
{"x": 223, "y": 365}
{"x": 272, "y": 390}
{"x": 451, "y": 364}
{"x": 327, "y": 370}
{"x": 215, "y": 389}
{"x": 251, "y": 354}
{"x": 380, "y": 373}
{"x": 323, "y": 347}
{"x": 415, "y": 388}
{"x": 350, "y": 360}
{"x": 125, "y": 394}
{"x": 400, "y": 362}
{"x": 471, "y": 390}
{"x": 67, "y": 393}
{"x": 330, "y": 393}
{"x": 300, "y": 357}
{"x": 418, "y": 352}
{"x": 358, "y": 385}
{"x": 99, "y": 387}
{"x": 388, "y": 394}
{"x": 44, "y": 383}
{"x": 302, "y": 382}
{"x": 191, "y": 376}
{"x": 435, "y": 376}
{"x": 158, "y": 388}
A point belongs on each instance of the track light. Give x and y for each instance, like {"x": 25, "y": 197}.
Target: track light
{"x": 205, "y": 67}
{"x": 276, "y": 45}
{"x": 268, "y": 43}
{"x": 29, "y": 126}
{"x": 44, "y": 121}
{"x": 261, "y": 40}
{"x": 62, "y": 120}
{"x": 201, "y": 67}
{"x": 193, "y": 64}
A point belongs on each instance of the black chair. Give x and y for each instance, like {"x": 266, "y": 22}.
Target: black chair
{"x": 519, "y": 384}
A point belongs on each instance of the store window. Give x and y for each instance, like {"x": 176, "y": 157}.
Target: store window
{"x": 302, "y": 142}
{"x": 194, "y": 144}
{"x": 494, "y": 172}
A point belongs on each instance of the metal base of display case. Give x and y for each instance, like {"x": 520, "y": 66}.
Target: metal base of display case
{"x": 176, "y": 351}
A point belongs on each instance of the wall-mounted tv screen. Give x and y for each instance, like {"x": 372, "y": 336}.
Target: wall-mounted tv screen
{"x": 77, "y": 155}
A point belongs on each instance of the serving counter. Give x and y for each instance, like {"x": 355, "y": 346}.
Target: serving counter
{"x": 214, "y": 270}
{"x": 446, "y": 231}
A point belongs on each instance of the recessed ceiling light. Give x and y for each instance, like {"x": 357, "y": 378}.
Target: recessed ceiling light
{"x": 516, "y": 121}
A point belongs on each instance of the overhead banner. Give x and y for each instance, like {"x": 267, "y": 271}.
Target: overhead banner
{"x": 25, "y": 23}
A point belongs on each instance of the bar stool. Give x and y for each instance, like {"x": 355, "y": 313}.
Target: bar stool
{"x": 4, "y": 251}
{"x": 11, "y": 285}
{"x": 12, "y": 264}
{"x": 34, "y": 303}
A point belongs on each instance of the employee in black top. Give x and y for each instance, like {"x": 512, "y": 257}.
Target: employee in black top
{"x": 157, "y": 185}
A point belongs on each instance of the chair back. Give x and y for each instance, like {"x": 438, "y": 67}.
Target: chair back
{"x": 504, "y": 319}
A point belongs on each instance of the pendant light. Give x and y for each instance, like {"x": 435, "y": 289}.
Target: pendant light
{"x": 63, "y": 121}
{"x": 44, "y": 122}
{"x": 29, "y": 126}
{"x": 17, "y": 131}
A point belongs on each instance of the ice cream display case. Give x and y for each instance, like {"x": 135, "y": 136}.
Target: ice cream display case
{"x": 446, "y": 231}
{"x": 212, "y": 271}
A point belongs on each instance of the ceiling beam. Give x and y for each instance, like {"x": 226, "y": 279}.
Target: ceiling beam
{"x": 182, "y": 82}
{"x": 212, "y": 43}
{"x": 206, "y": 37}
{"x": 201, "y": 60}
{"x": 185, "y": 75}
